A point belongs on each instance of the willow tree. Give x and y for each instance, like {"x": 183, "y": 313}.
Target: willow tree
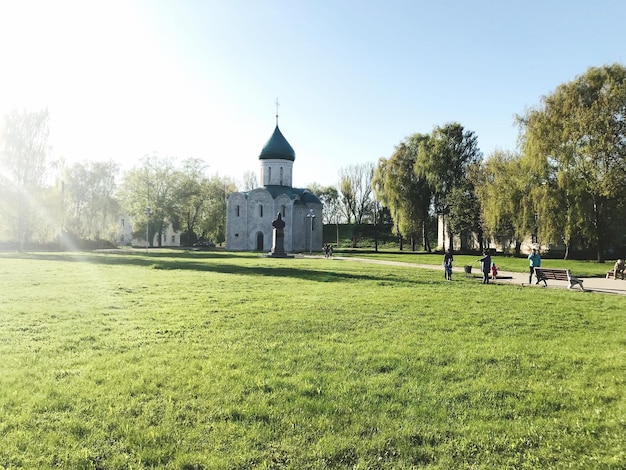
{"x": 500, "y": 189}
{"x": 406, "y": 194}
{"x": 574, "y": 142}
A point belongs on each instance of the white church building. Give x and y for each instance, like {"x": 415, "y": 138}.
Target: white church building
{"x": 249, "y": 214}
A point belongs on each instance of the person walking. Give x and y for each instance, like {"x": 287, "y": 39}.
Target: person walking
{"x": 534, "y": 261}
{"x": 447, "y": 265}
{"x": 485, "y": 266}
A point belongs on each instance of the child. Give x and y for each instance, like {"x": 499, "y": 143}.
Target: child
{"x": 494, "y": 271}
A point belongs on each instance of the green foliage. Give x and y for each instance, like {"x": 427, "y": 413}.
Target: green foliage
{"x": 152, "y": 183}
{"x": 444, "y": 161}
{"x": 183, "y": 196}
{"x": 575, "y": 143}
{"x": 23, "y": 164}
{"x": 210, "y": 362}
{"x": 329, "y": 195}
{"x": 91, "y": 209}
{"x": 403, "y": 191}
{"x": 355, "y": 191}
{"x": 501, "y": 188}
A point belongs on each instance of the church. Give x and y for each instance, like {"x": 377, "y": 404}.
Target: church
{"x": 249, "y": 215}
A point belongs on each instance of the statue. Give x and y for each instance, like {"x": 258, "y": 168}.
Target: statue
{"x": 279, "y": 223}
{"x": 278, "y": 237}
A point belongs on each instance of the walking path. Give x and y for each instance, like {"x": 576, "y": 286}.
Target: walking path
{"x": 591, "y": 284}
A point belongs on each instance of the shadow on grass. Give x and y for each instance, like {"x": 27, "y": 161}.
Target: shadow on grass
{"x": 217, "y": 262}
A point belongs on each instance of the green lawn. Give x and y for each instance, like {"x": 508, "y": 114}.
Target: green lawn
{"x": 218, "y": 360}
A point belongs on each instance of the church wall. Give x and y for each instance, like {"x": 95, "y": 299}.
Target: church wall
{"x": 302, "y": 228}
{"x": 260, "y": 208}
{"x": 237, "y": 222}
{"x": 242, "y": 230}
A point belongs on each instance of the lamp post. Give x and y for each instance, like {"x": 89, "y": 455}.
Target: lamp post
{"x": 311, "y": 216}
{"x": 147, "y": 212}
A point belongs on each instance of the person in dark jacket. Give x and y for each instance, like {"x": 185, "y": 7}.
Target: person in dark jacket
{"x": 485, "y": 266}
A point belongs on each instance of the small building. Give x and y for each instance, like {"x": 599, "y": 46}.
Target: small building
{"x": 170, "y": 237}
{"x": 249, "y": 214}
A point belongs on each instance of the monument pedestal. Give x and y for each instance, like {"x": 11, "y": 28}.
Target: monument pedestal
{"x": 278, "y": 239}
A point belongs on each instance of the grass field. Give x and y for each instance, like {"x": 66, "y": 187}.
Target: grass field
{"x": 218, "y": 360}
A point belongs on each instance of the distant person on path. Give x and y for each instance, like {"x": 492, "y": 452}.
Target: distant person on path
{"x": 447, "y": 265}
{"x": 534, "y": 261}
{"x": 619, "y": 268}
{"x": 494, "y": 271}
{"x": 485, "y": 266}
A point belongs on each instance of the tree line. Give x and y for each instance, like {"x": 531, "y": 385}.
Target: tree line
{"x": 562, "y": 185}
{"x": 45, "y": 201}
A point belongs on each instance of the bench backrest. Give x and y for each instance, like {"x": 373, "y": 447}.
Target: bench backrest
{"x": 556, "y": 274}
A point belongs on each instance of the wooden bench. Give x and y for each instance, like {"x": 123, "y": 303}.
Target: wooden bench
{"x": 543, "y": 274}
{"x": 611, "y": 273}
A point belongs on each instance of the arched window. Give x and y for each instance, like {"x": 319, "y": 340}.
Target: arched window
{"x": 237, "y": 211}
{"x": 281, "y": 175}
{"x": 269, "y": 175}
{"x": 260, "y": 210}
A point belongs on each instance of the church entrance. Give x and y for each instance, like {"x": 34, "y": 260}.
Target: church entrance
{"x": 259, "y": 241}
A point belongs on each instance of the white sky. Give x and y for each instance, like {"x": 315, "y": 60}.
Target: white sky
{"x": 122, "y": 79}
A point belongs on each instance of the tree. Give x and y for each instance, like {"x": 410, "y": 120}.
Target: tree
{"x": 249, "y": 181}
{"x": 575, "y": 144}
{"x": 407, "y": 194}
{"x": 91, "y": 209}
{"x": 151, "y": 184}
{"x": 331, "y": 208}
{"x": 212, "y": 221}
{"x": 23, "y": 153}
{"x": 191, "y": 194}
{"x": 464, "y": 215}
{"x": 329, "y": 195}
{"x": 355, "y": 191}
{"x": 443, "y": 161}
{"x": 501, "y": 187}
